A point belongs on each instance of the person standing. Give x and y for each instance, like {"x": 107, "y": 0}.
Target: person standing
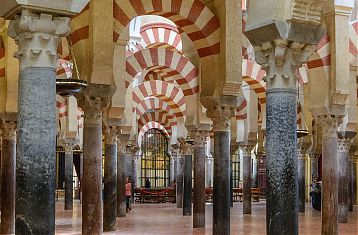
{"x": 128, "y": 194}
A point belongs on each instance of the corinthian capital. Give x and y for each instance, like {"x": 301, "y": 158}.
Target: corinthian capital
{"x": 38, "y": 36}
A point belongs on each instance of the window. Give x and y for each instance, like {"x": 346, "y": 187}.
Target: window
{"x": 155, "y": 160}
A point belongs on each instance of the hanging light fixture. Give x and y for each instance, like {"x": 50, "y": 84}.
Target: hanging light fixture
{"x": 70, "y": 86}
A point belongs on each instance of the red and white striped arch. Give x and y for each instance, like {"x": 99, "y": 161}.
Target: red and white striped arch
{"x": 165, "y": 91}
{"x": 162, "y": 57}
{"x": 61, "y": 106}
{"x": 161, "y": 35}
{"x": 152, "y": 75}
{"x": 253, "y": 75}
{"x": 159, "y": 117}
{"x": 192, "y": 16}
{"x": 152, "y": 103}
{"x": 241, "y": 112}
{"x": 151, "y": 125}
{"x": 2, "y": 61}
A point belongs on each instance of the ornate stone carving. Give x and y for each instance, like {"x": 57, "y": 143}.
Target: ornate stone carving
{"x": 200, "y": 138}
{"x": 220, "y": 115}
{"x": 329, "y": 125}
{"x": 68, "y": 144}
{"x": 111, "y": 133}
{"x": 247, "y": 149}
{"x": 307, "y": 10}
{"x": 301, "y": 154}
{"x": 343, "y": 144}
{"x": 282, "y": 58}
{"x": 8, "y": 129}
{"x": 122, "y": 142}
{"x": 38, "y": 36}
{"x": 186, "y": 149}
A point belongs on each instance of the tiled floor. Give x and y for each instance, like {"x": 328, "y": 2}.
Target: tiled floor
{"x": 166, "y": 219}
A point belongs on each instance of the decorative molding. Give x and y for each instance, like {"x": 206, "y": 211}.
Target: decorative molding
{"x": 247, "y": 149}
{"x": 221, "y": 116}
{"x": 200, "y": 138}
{"x": 343, "y": 144}
{"x": 38, "y": 37}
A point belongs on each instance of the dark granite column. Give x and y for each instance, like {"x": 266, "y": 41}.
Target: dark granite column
{"x": 180, "y": 178}
{"x": 301, "y": 180}
{"x": 221, "y": 115}
{"x": 95, "y": 99}
{"x": 110, "y": 179}
{"x": 247, "y": 166}
{"x": 343, "y": 168}
{"x": 209, "y": 171}
{"x": 188, "y": 185}
{"x": 199, "y": 179}
{"x": 354, "y": 181}
{"x": 121, "y": 174}
{"x": 329, "y": 176}
{"x": 37, "y": 36}
{"x": 68, "y": 146}
{"x": 282, "y": 58}
{"x": 350, "y": 183}
{"x": 8, "y": 181}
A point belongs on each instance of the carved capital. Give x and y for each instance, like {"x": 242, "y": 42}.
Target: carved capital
{"x": 186, "y": 149}
{"x": 221, "y": 116}
{"x": 281, "y": 58}
{"x": 8, "y": 129}
{"x": 111, "y": 133}
{"x": 301, "y": 154}
{"x": 314, "y": 155}
{"x": 329, "y": 125}
{"x": 247, "y": 149}
{"x": 200, "y": 138}
{"x": 38, "y": 36}
{"x": 343, "y": 144}
{"x": 68, "y": 145}
{"x": 122, "y": 143}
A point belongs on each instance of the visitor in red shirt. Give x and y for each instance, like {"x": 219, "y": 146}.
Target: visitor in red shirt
{"x": 128, "y": 194}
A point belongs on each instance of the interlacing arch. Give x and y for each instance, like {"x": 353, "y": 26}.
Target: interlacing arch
{"x": 153, "y": 58}
{"x": 165, "y": 91}
{"x": 152, "y": 103}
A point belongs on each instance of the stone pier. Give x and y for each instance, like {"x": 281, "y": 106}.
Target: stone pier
{"x": 8, "y": 176}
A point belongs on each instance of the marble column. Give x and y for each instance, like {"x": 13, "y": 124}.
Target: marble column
{"x": 233, "y": 149}
{"x": 314, "y": 165}
{"x": 343, "y": 168}
{"x": 329, "y": 175}
{"x": 95, "y": 98}
{"x": 121, "y": 174}
{"x": 281, "y": 59}
{"x": 354, "y": 181}
{"x": 135, "y": 159}
{"x": 188, "y": 185}
{"x": 37, "y": 35}
{"x": 301, "y": 180}
{"x": 172, "y": 170}
{"x": 209, "y": 171}
{"x": 199, "y": 179}
{"x": 246, "y": 150}
{"x": 221, "y": 115}
{"x": 8, "y": 177}
{"x": 68, "y": 145}
{"x": 180, "y": 178}
{"x": 110, "y": 179}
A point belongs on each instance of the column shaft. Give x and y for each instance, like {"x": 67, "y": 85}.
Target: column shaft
{"x": 301, "y": 183}
{"x": 188, "y": 169}
{"x": 281, "y": 149}
{"x": 110, "y": 187}
{"x": 221, "y": 197}
{"x": 314, "y": 166}
{"x": 36, "y": 152}
{"x": 247, "y": 182}
{"x": 121, "y": 184}
{"x": 179, "y": 186}
{"x": 343, "y": 168}
{"x": 350, "y": 185}
{"x": 329, "y": 180}
{"x": 199, "y": 187}
{"x": 8, "y": 181}
{"x": 92, "y": 208}
{"x": 69, "y": 180}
